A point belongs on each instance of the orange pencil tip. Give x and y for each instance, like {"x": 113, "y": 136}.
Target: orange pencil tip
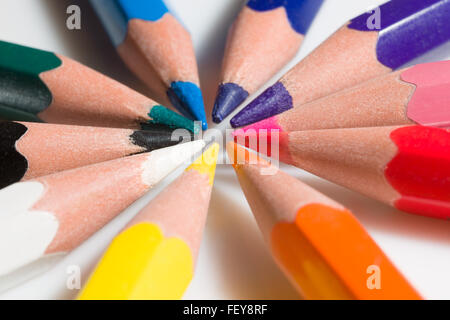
{"x": 240, "y": 156}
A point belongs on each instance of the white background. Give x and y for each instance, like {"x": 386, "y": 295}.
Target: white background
{"x": 234, "y": 262}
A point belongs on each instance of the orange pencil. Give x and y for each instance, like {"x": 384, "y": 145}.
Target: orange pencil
{"x": 264, "y": 37}
{"x": 319, "y": 244}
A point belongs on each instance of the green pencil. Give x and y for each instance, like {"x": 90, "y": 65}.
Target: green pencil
{"x": 37, "y": 85}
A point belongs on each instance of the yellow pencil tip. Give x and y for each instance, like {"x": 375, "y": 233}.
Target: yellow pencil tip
{"x": 206, "y": 164}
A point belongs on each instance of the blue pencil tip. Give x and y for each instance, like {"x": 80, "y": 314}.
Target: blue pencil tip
{"x": 229, "y": 97}
{"x": 187, "y": 98}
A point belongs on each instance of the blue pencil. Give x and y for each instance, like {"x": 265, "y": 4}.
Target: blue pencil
{"x": 158, "y": 49}
{"x": 266, "y": 35}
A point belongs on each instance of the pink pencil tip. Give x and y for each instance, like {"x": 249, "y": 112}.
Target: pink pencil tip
{"x": 238, "y": 132}
{"x": 268, "y": 124}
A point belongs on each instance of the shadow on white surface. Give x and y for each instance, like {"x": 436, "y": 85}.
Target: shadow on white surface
{"x": 91, "y": 44}
{"x": 240, "y": 254}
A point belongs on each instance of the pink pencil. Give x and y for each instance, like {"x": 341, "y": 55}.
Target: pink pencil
{"x": 415, "y": 95}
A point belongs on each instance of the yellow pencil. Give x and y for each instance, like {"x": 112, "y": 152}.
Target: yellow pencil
{"x": 154, "y": 256}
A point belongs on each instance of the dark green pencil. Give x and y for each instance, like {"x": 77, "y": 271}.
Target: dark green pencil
{"x": 37, "y": 85}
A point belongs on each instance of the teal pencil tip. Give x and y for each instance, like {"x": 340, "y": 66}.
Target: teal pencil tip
{"x": 162, "y": 115}
{"x": 187, "y": 98}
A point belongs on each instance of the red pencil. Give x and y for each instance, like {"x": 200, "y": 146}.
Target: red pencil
{"x": 407, "y": 167}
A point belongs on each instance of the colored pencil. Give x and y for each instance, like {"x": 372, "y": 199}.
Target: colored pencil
{"x": 37, "y": 85}
{"x": 29, "y": 150}
{"x": 158, "y": 49}
{"x": 52, "y": 215}
{"x": 154, "y": 256}
{"x": 253, "y": 54}
{"x": 416, "y": 95}
{"x": 320, "y": 245}
{"x": 407, "y": 167}
{"x": 359, "y": 51}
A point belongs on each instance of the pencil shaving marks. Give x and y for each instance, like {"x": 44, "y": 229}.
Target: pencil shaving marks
{"x": 51, "y": 148}
{"x": 165, "y": 47}
{"x": 20, "y": 227}
{"x": 354, "y": 60}
{"x": 268, "y": 53}
{"x": 84, "y": 96}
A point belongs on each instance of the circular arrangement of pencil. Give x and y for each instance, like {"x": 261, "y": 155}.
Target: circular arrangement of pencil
{"x": 78, "y": 148}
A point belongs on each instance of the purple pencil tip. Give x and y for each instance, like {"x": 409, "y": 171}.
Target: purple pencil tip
{"x": 274, "y": 100}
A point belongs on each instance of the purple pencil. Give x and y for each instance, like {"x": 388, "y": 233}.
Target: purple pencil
{"x": 373, "y": 44}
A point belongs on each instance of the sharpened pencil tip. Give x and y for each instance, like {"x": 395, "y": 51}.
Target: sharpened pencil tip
{"x": 206, "y": 163}
{"x": 274, "y": 100}
{"x": 162, "y": 115}
{"x": 229, "y": 97}
{"x": 187, "y": 98}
